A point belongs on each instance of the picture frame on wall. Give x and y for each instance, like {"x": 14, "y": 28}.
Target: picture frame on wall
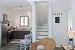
{"x": 57, "y": 19}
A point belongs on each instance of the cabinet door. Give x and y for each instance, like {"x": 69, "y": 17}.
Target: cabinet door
{"x": 15, "y": 35}
{"x": 20, "y": 34}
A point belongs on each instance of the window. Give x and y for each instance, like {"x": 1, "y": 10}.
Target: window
{"x": 24, "y": 20}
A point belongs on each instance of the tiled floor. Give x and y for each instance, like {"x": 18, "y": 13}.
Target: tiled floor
{"x": 16, "y": 41}
{"x": 15, "y": 46}
{"x": 10, "y": 46}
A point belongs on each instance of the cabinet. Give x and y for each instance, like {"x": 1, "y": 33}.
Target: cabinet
{"x": 9, "y": 37}
{"x": 20, "y": 34}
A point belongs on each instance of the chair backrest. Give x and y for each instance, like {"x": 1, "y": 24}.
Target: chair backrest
{"x": 48, "y": 43}
{"x": 28, "y": 38}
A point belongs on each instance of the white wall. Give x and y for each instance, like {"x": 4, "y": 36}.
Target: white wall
{"x": 73, "y": 21}
{"x": 34, "y": 23}
{"x": 42, "y": 12}
{"x": 69, "y": 19}
{"x": 15, "y": 17}
{"x": 50, "y": 20}
{"x": 62, "y": 5}
{"x": 60, "y": 32}
{"x": 73, "y": 15}
{"x": 4, "y": 10}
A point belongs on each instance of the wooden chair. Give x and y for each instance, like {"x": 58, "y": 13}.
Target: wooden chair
{"x": 48, "y": 43}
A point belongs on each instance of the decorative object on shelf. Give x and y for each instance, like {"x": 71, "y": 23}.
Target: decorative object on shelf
{"x": 53, "y": 13}
{"x": 57, "y": 13}
{"x": 71, "y": 42}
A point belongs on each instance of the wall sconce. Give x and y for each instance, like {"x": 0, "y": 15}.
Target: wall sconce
{"x": 21, "y": 7}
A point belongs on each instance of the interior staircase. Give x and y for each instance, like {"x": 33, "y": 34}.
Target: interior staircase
{"x": 42, "y": 32}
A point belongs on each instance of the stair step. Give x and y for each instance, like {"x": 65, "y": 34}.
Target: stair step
{"x": 42, "y": 33}
{"x": 42, "y": 26}
{"x": 42, "y": 29}
{"x": 40, "y": 37}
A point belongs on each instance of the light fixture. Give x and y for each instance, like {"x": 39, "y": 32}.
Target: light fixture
{"x": 28, "y": 7}
{"x": 17, "y": 8}
{"x": 22, "y": 7}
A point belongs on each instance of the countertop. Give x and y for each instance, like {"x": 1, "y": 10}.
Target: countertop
{"x": 17, "y": 30}
{"x": 21, "y": 30}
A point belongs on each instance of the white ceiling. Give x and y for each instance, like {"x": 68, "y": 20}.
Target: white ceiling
{"x": 14, "y": 3}
{"x": 62, "y": 4}
{"x": 59, "y": 4}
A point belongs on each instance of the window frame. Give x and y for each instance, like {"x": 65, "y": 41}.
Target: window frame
{"x": 24, "y": 20}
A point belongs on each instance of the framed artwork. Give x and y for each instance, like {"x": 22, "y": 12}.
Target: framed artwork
{"x": 57, "y": 19}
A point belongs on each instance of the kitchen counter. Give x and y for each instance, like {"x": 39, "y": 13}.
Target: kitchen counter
{"x": 10, "y": 31}
{"x": 19, "y": 34}
{"x": 16, "y": 34}
{"x": 17, "y": 30}
{"x": 21, "y": 30}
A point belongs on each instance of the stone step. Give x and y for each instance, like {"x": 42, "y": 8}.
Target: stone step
{"x": 45, "y": 24}
{"x": 40, "y": 37}
{"x": 42, "y": 33}
{"x": 39, "y": 30}
{"x": 43, "y": 27}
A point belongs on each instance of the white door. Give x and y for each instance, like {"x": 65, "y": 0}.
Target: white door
{"x": 60, "y": 33}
